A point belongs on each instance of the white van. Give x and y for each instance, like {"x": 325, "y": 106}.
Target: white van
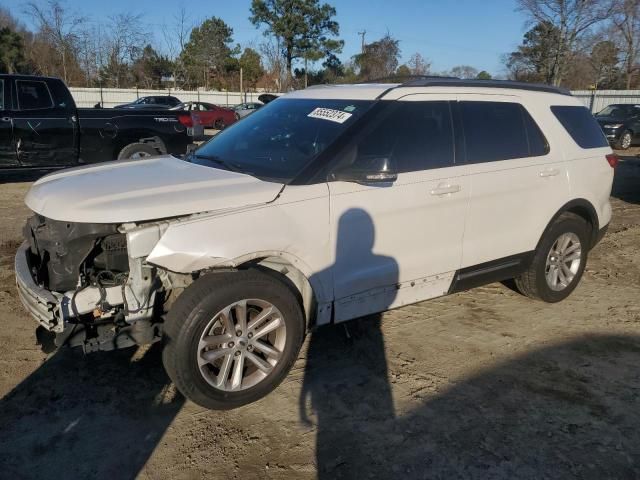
{"x": 325, "y": 205}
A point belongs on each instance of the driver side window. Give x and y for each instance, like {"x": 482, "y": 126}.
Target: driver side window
{"x": 413, "y": 136}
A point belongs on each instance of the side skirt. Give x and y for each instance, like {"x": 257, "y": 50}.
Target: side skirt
{"x": 489, "y": 272}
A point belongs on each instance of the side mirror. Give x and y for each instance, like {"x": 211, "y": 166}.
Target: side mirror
{"x": 368, "y": 170}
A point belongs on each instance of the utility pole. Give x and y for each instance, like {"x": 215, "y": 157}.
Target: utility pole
{"x": 362, "y": 34}
{"x": 241, "y": 90}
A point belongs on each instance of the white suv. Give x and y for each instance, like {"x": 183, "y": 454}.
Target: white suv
{"x": 327, "y": 204}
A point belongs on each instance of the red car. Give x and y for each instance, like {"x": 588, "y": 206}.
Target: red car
{"x": 208, "y": 114}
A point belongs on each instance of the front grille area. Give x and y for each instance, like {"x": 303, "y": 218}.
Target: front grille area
{"x": 59, "y": 250}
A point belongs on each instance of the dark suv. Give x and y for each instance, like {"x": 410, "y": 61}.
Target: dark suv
{"x": 156, "y": 101}
{"x": 621, "y": 124}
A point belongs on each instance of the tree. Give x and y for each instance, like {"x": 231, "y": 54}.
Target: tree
{"x": 379, "y": 59}
{"x": 418, "y": 65}
{"x": 176, "y": 37}
{"x": 484, "y": 75}
{"x": 11, "y": 51}
{"x": 604, "y": 61}
{"x": 300, "y": 27}
{"x": 149, "y": 68}
{"x": 403, "y": 71}
{"x": 570, "y": 19}
{"x": 123, "y": 45}
{"x": 60, "y": 29}
{"x": 251, "y": 65}
{"x": 464, "y": 71}
{"x": 626, "y": 18}
{"x": 536, "y": 59}
{"x": 206, "y": 55}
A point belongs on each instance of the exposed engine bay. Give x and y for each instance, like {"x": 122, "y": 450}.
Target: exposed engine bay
{"x": 107, "y": 300}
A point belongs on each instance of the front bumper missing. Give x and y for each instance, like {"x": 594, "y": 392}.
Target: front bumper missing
{"x": 42, "y": 304}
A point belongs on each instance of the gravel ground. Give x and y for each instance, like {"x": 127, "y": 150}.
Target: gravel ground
{"x": 481, "y": 384}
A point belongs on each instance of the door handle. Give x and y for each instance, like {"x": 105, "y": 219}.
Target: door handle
{"x": 6, "y": 119}
{"x": 445, "y": 189}
{"x": 552, "y": 172}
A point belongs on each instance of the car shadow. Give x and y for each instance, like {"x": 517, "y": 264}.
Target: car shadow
{"x": 565, "y": 411}
{"x": 626, "y": 182}
{"x": 69, "y": 420}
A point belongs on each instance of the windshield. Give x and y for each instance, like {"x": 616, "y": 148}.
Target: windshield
{"x": 618, "y": 111}
{"x": 280, "y": 139}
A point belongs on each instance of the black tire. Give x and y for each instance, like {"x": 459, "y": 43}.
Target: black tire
{"x": 533, "y": 282}
{"x": 219, "y": 124}
{"x": 137, "y": 150}
{"x": 620, "y": 144}
{"x": 192, "y": 312}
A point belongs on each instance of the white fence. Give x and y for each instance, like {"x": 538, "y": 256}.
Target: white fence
{"x": 596, "y": 100}
{"x": 110, "y": 97}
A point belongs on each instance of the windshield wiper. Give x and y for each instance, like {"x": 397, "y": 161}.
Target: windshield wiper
{"x": 233, "y": 167}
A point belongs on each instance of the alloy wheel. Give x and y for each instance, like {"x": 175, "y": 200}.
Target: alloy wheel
{"x": 563, "y": 261}
{"x": 241, "y": 345}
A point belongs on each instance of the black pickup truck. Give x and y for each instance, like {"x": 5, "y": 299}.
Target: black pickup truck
{"x": 40, "y": 127}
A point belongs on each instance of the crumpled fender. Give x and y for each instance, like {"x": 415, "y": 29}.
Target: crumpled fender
{"x": 295, "y": 227}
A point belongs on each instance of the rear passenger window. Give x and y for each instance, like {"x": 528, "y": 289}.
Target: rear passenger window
{"x": 33, "y": 95}
{"x": 581, "y": 125}
{"x": 496, "y": 131}
{"x": 414, "y": 135}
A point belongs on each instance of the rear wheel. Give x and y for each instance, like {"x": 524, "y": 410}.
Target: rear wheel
{"x": 137, "y": 150}
{"x": 232, "y": 337}
{"x": 219, "y": 124}
{"x": 559, "y": 261}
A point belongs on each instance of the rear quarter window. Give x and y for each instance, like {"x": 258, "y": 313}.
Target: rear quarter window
{"x": 581, "y": 125}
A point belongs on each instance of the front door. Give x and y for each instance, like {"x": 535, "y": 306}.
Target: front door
{"x": 7, "y": 146}
{"x": 45, "y": 132}
{"x": 399, "y": 243}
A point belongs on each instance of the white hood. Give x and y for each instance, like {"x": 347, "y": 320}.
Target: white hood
{"x": 144, "y": 189}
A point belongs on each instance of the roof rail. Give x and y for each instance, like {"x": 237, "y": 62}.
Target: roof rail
{"x": 406, "y": 78}
{"x": 458, "y": 82}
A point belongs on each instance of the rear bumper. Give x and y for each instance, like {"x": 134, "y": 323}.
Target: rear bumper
{"x": 42, "y": 304}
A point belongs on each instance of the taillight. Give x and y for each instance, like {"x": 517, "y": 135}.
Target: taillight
{"x": 185, "y": 119}
{"x": 613, "y": 160}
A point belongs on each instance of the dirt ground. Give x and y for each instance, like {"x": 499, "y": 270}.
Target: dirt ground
{"x": 482, "y": 384}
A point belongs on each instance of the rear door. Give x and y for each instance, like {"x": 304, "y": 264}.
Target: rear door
{"x": 518, "y": 181}
{"x": 7, "y": 145}
{"x": 45, "y": 127}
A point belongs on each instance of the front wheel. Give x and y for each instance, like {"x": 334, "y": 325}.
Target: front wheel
{"x": 625, "y": 140}
{"x": 558, "y": 262}
{"x": 232, "y": 337}
{"x": 219, "y": 124}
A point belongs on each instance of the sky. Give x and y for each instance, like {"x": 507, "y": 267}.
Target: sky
{"x": 446, "y": 32}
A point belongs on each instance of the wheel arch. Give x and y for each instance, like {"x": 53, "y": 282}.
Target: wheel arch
{"x": 584, "y": 209}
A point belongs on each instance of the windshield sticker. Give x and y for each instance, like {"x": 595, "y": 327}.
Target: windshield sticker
{"x": 330, "y": 114}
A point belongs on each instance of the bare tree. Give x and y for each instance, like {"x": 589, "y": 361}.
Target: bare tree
{"x": 176, "y": 37}
{"x": 274, "y": 64}
{"x": 124, "y": 43}
{"x": 626, "y": 18}
{"x": 60, "y": 29}
{"x": 418, "y": 65}
{"x": 572, "y": 18}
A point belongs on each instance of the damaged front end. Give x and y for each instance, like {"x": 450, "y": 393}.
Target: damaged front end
{"x": 82, "y": 285}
